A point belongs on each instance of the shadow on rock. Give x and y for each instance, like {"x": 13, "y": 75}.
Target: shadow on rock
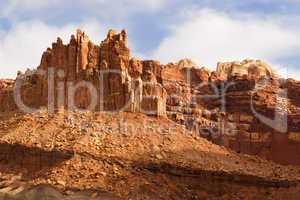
{"x": 30, "y": 159}
{"x": 45, "y": 192}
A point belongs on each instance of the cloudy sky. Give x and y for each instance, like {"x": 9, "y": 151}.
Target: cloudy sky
{"x": 207, "y": 31}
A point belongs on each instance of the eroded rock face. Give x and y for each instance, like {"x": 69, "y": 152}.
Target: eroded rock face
{"x": 253, "y": 69}
{"x": 119, "y": 82}
{"x": 6, "y": 83}
{"x": 223, "y": 105}
{"x": 186, "y": 63}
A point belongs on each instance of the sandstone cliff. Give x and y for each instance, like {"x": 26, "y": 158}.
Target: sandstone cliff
{"x": 185, "y": 93}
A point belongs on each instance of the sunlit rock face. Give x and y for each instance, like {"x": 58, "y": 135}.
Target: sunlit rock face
{"x": 118, "y": 79}
{"x": 253, "y": 69}
{"x": 213, "y": 102}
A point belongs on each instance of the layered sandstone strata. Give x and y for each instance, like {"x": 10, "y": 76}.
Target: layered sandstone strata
{"x": 254, "y": 69}
{"x": 120, "y": 83}
{"x": 228, "y": 106}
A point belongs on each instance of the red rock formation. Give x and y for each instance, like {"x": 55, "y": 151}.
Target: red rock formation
{"x": 219, "y": 104}
{"x": 250, "y": 68}
{"x": 119, "y": 82}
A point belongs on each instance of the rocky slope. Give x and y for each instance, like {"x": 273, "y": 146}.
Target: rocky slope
{"x": 131, "y": 156}
{"x": 149, "y": 130}
{"x": 226, "y": 106}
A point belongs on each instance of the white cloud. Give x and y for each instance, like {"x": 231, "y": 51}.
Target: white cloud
{"x": 147, "y": 4}
{"x": 23, "y": 45}
{"x": 134, "y": 4}
{"x": 12, "y": 8}
{"x": 209, "y": 36}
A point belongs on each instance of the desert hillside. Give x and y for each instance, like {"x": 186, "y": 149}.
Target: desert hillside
{"x": 93, "y": 122}
{"x": 148, "y": 158}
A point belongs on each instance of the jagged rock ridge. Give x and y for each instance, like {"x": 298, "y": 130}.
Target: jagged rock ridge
{"x": 182, "y": 91}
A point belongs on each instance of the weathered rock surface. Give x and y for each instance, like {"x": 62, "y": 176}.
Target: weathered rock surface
{"x": 225, "y": 105}
{"x": 250, "y": 68}
{"x": 120, "y": 81}
{"x": 128, "y": 156}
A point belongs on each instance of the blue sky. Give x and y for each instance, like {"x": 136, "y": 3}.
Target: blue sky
{"x": 207, "y": 31}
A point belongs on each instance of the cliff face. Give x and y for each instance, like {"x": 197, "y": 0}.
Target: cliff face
{"x": 227, "y": 106}
{"x": 250, "y": 68}
{"x": 117, "y": 80}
